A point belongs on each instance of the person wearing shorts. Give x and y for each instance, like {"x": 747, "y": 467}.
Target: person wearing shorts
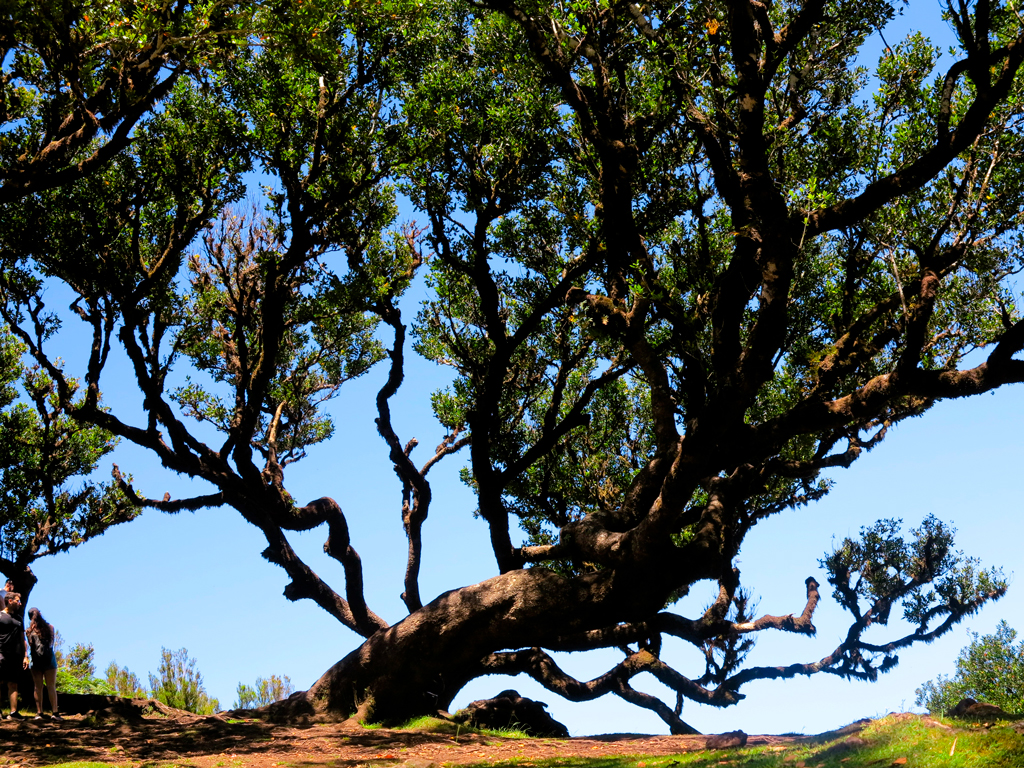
{"x": 40, "y": 637}
{"x": 12, "y": 658}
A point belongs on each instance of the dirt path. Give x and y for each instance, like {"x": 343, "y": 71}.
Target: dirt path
{"x": 211, "y": 742}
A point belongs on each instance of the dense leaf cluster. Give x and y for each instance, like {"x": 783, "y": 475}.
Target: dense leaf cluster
{"x": 990, "y": 669}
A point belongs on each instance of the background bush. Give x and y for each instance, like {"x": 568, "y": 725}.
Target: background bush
{"x": 990, "y": 669}
{"x": 179, "y": 684}
{"x": 76, "y": 669}
{"x": 125, "y": 683}
{"x": 265, "y": 691}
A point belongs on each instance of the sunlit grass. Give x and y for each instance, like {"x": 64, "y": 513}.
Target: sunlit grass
{"x": 429, "y": 724}
{"x": 893, "y": 741}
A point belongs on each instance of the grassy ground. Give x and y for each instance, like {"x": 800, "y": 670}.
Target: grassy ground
{"x": 888, "y": 742}
{"x": 897, "y": 741}
{"x": 437, "y": 725}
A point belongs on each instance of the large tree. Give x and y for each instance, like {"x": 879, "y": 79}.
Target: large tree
{"x": 683, "y": 259}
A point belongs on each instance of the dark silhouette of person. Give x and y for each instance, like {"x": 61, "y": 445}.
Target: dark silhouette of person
{"x": 13, "y": 658}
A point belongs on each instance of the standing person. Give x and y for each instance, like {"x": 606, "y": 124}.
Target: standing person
{"x": 15, "y": 608}
{"x": 13, "y": 658}
{"x": 44, "y": 661}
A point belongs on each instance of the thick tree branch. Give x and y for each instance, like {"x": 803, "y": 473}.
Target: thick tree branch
{"x": 322, "y": 510}
{"x": 167, "y": 504}
{"x": 800, "y": 624}
{"x": 542, "y": 668}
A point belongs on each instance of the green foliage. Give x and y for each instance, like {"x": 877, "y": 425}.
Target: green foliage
{"x": 265, "y": 691}
{"x": 69, "y": 683}
{"x": 124, "y": 683}
{"x": 926, "y": 573}
{"x": 44, "y": 507}
{"x": 431, "y": 724}
{"x": 990, "y": 669}
{"x": 179, "y": 684}
{"x": 79, "y": 660}
{"x": 936, "y": 585}
{"x": 46, "y": 504}
{"x": 76, "y": 670}
{"x": 81, "y": 75}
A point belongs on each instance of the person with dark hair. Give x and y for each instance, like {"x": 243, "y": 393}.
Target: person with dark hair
{"x": 15, "y": 608}
{"x": 41, "y": 637}
{"x": 13, "y": 658}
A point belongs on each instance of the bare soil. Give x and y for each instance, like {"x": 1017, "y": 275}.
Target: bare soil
{"x": 211, "y": 742}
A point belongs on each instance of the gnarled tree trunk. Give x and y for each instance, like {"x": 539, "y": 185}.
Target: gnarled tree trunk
{"x": 418, "y": 665}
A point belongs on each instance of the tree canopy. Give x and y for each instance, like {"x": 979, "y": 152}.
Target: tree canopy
{"x": 682, "y": 260}
{"x": 48, "y": 504}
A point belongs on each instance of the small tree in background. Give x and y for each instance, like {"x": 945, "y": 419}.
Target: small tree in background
{"x": 180, "y": 684}
{"x": 264, "y": 692}
{"x": 124, "y": 682}
{"x": 76, "y": 669}
{"x": 990, "y": 669}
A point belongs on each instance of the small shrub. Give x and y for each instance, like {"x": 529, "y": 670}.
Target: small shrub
{"x": 125, "y": 683}
{"x": 68, "y": 683}
{"x": 76, "y": 670}
{"x": 180, "y": 684}
{"x": 264, "y": 692}
{"x": 990, "y": 669}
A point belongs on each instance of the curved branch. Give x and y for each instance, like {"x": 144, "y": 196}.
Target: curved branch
{"x": 36, "y": 176}
{"x": 800, "y": 624}
{"x": 812, "y": 415}
{"x": 542, "y": 668}
{"x": 676, "y": 726}
{"x": 167, "y": 504}
{"x": 326, "y": 509}
{"x": 416, "y": 493}
{"x": 848, "y": 659}
{"x": 607, "y": 637}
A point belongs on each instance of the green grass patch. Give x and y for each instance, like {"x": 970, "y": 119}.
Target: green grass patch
{"x": 899, "y": 742}
{"x": 428, "y": 724}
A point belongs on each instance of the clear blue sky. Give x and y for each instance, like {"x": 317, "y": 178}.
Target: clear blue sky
{"x": 196, "y": 580}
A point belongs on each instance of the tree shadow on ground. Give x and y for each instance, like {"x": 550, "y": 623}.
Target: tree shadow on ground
{"x": 156, "y": 740}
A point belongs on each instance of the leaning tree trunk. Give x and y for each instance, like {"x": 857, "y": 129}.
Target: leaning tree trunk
{"x": 418, "y": 665}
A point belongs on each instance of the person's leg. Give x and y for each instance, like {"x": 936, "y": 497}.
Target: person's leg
{"x": 12, "y": 689}
{"x": 51, "y": 685}
{"x": 37, "y": 678}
